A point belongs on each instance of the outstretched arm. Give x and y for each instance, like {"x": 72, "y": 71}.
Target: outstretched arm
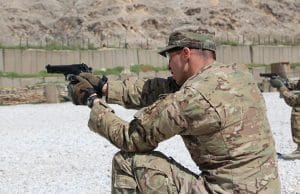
{"x": 138, "y": 93}
{"x": 179, "y": 113}
{"x": 289, "y": 97}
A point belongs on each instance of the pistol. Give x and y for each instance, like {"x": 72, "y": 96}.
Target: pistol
{"x": 274, "y": 76}
{"x": 269, "y": 75}
{"x": 69, "y": 70}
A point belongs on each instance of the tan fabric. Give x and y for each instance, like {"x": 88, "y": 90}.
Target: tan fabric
{"x": 152, "y": 173}
{"x": 221, "y": 116}
{"x": 293, "y": 100}
{"x": 292, "y": 156}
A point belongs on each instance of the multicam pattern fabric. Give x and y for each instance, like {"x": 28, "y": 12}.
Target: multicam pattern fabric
{"x": 152, "y": 172}
{"x": 190, "y": 39}
{"x": 293, "y": 100}
{"x": 219, "y": 113}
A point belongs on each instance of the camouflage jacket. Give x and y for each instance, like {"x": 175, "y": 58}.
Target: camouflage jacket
{"x": 291, "y": 97}
{"x": 220, "y": 114}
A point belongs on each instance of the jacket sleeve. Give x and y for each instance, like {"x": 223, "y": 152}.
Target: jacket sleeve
{"x": 138, "y": 93}
{"x": 289, "y": 97}
{"x": 176, "y": 113}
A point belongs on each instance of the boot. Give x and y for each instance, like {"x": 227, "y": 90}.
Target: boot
{"x": 292, "y": 156}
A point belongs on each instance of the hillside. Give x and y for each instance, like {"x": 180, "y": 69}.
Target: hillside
{"x": 137, "y": 22}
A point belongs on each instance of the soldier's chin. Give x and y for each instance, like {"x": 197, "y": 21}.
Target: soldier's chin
{"x": 173, "y": 76}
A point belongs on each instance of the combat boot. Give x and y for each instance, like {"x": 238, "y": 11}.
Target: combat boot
{"x": 292, "y": 156}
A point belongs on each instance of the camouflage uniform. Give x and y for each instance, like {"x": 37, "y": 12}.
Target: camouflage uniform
{"x": 219, "y": 113}
{"x": 293, "y": 100}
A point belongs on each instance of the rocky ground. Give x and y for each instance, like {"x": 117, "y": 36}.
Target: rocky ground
{"x": 48, "y": 148}
{"x": 136, "y": 22}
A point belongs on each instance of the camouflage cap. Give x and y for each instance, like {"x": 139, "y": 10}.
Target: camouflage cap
{"x": 196, "y": 40}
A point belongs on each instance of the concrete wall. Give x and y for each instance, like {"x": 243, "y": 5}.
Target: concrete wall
{"x": 231, "y": 54}
{"x": 272, "y": 54}
{"x": 32, "y": 60}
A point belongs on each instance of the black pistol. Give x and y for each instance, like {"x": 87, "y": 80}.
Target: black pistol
{"x": 69, "y": 70}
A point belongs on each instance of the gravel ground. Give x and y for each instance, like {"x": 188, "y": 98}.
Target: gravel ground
{"x": 48, "y": 148}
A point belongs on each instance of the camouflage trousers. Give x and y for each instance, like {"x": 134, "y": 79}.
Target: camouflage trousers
{"x": 152, "y": 173}
{"x": 295, "y": 126}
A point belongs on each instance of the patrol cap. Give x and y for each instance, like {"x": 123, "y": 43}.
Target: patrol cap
{"x": 186, "y": 38}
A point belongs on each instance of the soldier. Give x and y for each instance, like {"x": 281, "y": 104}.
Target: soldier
{"x": 217, "y": 109}
{"x": 293, "y": 100}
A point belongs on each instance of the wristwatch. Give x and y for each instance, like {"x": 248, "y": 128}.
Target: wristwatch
{"x": 90, "y": 100}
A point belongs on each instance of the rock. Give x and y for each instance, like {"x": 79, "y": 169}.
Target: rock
{"x": 143, "y": 22}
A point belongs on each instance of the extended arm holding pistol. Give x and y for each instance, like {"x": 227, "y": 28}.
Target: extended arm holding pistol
{"x": 274, "y": 76}
{"x": 71, "y": 71}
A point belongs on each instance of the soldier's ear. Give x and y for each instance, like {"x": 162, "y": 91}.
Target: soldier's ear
{"x": 186, "y": 52}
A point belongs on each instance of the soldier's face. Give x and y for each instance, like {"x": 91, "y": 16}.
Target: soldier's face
{"x": 177, "y": 66}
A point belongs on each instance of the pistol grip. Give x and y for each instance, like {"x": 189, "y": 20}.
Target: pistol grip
{"x": 71, "y": 78}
